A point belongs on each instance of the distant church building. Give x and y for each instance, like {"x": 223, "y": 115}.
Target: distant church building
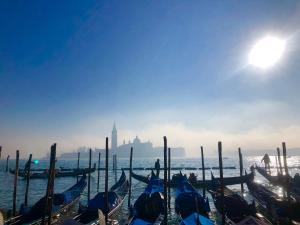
{"x": 140, "y": 149}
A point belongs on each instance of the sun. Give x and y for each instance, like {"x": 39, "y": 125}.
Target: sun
{"x": 266, "y": 52}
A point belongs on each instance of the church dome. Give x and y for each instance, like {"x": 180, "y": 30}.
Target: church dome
{"x": 136, "y": 140}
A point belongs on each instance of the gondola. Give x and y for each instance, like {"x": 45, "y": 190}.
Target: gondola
{"x": 144, "y": 179}
{"x": 276, "y": 180}
{"x": 148, "y": 208}
{"x": 59, "y": 173}
{"x": 190, "y": 205}
{"x": 274, "y": 207}
{"x": 288, "y": 182}
{"x": 96, "y": 206}
{"x": 199, "y": 183}
{"x": 61, "y": 203}
{"x": 236, "y": 208}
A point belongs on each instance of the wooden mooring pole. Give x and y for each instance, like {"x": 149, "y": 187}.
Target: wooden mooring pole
{"x": 130, "y": 178}
{"x": 106, "y": 181}
{"x": 78, "y": 160}
{"x": 98, "y": 178}
{"x": 16, "y": 184}
{"x": 203, "y": 170}
{"x": 116, "y": 178}
{"x": 28, "y": 168}
{"x": 241, "y": 168}
{"x": 284, "y": 159}
{"x": 279, "y": 161}
{"x": 285, "y": 166}
{"x": 165, "y": 183}
{"x": 221, "y": 181}
{"x": 287, "y": 177}
{"x": 169, "y": 178}
{"x": 50, "y": 188}
{"x": 277, "y": 169}
{"x": 114, "y": 162}
{"x": 7, "y": 160}
{"x": 0, "y": 152}
{"x": 89, "y": 176}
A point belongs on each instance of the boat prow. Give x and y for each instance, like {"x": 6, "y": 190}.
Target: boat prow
{"x": 91, "y": 213}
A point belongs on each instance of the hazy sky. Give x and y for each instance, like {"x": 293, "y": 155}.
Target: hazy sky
{"x": 69, "y": 69}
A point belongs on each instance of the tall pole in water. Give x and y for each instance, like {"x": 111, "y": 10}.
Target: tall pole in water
{"x": 279, "y": 161}
{"x": 27, "y": 179}
{"x": 78, "y": 159}
{"x": 165, "y": 182}
{"x": 7, "y": 160}
{"x": 169, "y": 178}
{"x": 52, "y": 170}
{"x": 116, "y": 178}
{"x": 16, "y": 184}
{"x": 287, "y": 176}
{"x": 277, "y": 169}
{"x": 221, "y": 181}
{"x": 130, "y": 178}
{"x": 0, "y": 152}
{"x": 284, "y": 159}
{"x": 50, "y": 187}
{"x": 241, "y": 168}
{"x": 106, "y": 181}
{"x": 89, "y": 177}
{"x": 98, "y": 179}
{"x": 203, "y": 170}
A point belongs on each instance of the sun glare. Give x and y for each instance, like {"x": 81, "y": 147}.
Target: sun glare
{"x": 266, "y": 52}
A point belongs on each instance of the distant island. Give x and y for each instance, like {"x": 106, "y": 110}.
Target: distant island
{"x": 140, "y": 149}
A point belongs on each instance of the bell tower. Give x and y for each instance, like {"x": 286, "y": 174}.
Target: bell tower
{"x": 114, "y": 139}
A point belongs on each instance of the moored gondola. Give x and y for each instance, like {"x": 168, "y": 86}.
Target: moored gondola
{"x": 96, "y": 207}
{"x": 284, "y": 181}
{"x": 199, "y": 183}
{"x": 274, "y": 207}
{"x": 276, "y": 180}
{"x": 58, "y": 173}
{"x": 148, "y": 208}
{"x": 236, "y": 208}
{"x": 141, "y": 178}
{"x": 193, "y": 208}
{"x": 61, "y": 203}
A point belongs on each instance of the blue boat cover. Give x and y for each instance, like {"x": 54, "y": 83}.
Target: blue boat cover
{"x": 155, "y": 185}
{"x": 149, "y": 205}
{"x": 192, "y": 219}
{"x": 189, "y": 204}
